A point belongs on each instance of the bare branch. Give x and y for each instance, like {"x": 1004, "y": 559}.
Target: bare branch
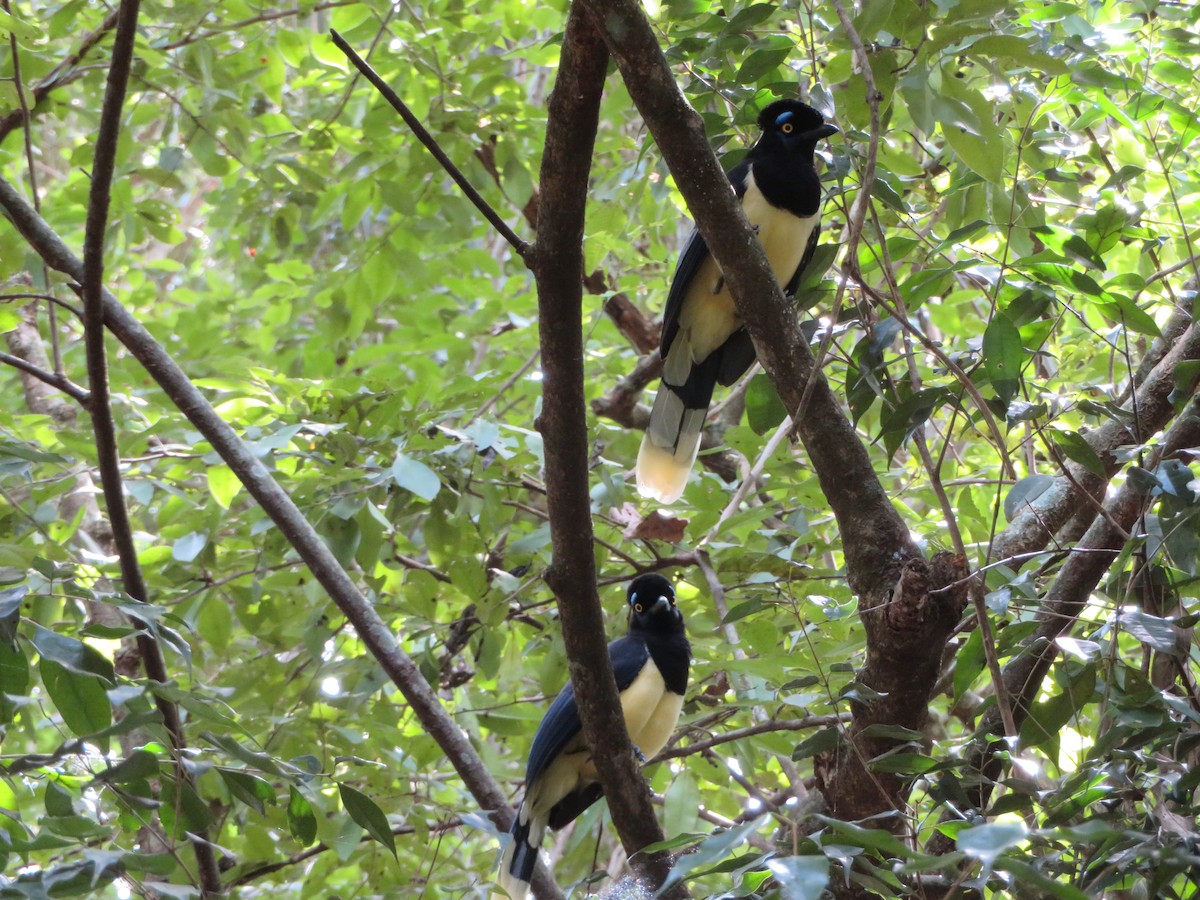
{"x": 68, "y": 387}
{"x": 49, "y": 298}
{"x": 739, "y": 734}
{"x": 103, "y": 427}
{"x": 521, "y": 247}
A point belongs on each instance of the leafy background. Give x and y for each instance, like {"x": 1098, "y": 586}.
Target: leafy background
{"x": 307, "y": 262}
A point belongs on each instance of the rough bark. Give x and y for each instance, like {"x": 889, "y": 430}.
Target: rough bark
{"x": 907, "y": 616}
{"x": 557, "y": 262}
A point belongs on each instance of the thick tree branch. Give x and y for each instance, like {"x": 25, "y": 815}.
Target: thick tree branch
{"x": 557, "y": 262}
{"x": 874, "y": 537}
{"x": 1057, "y": 507}
{"x": 1063, "y": 604}
{"x": 250, "y": 470}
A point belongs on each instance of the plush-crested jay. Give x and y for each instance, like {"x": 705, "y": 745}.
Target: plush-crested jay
{"x": 651, "y": 666}
{"x": 703, "y": 341}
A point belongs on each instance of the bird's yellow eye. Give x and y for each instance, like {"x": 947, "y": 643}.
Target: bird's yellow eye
{"x": 637, "y": 607}
{"x": 787, "y": 127}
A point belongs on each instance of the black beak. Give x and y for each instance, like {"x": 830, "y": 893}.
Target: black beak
{"x": 823, "y": 132}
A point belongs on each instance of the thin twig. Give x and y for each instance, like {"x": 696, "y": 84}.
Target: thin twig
{"x": 269, "y": 16}
{"x": 740, "y": 734}
{"x": 521, "y": 247}
{"x": 49, "y": 298}
{"x": 64, "y": 384}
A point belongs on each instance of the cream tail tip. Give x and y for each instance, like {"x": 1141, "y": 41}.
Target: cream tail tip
{"x": 661, "y": 475}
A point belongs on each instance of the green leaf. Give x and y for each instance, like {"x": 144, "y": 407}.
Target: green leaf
{"x": 80, "y": 699}
{"x": 72, "y": 654}
{"x": 986, "y": 842}
{"x": 301, "y": 821}
{"x": 1075, "y": 447}
{"x": 979, "y": 154}
{"x": 822, "y": 741}
{"x": 1129, "y": 314}
{"x": 364, "y": 811}
{"x": 1003, "y": 352}
{"x": 138, "y": 766}
{"x": 904, "y": 763}
{"x": 23, "y": 31}
{"x": 188, "y": 547}
{"x": 14, "y": 678}
{"x": 710, "y": 851}
{"x": 1024, "y": 492}
{"x": 1157, "y": 633}
{"x": 223, "y": 485}
{"x": 682, "y": 804}
{"x": 764, "y": 409}
{"x": 416, "y": 477}
{"x": 59, "y": 802}
{"x": 181, "y": 809}
{"x": 250, "y": 789}
{"x": 765, "y": 59}
{"x": 968, "y": 662}
{"x": 800, "y": 877}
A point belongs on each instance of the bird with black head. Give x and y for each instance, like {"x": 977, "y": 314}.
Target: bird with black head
{"x": 651, "y": 667}
{"x": 703, "y": 340}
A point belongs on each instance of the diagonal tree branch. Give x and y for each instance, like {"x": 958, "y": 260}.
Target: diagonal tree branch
{"x": 1043, "y": 518}
{"x": 872, "y": 530}
{"x": 250, "y": 470}
{"x": 1063, "y": 604}
{"x": 493, "y": 217}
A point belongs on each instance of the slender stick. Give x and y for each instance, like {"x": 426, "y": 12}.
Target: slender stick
{"x": 103, "y": 427}
{"x": 522, "y": 247}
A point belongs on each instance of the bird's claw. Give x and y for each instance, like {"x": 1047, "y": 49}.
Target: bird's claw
{"x": 641, "y": 757}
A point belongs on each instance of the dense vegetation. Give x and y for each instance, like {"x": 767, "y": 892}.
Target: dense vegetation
{"x": 1006, "y": 319}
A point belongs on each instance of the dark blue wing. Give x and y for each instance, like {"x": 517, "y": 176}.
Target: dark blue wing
{"x": 561, "y": 722}
{"x": 694, "y": 253}
{"x": 559, "y": 725}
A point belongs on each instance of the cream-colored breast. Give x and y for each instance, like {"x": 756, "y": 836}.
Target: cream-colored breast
{"x": 708, "y": 316}
{"x": 651, "y": 711}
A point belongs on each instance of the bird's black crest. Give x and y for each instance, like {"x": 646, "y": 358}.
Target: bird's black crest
{"x": 793, "y": 112}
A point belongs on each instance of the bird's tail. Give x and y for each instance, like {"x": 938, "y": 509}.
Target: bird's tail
{"x": 673, "y": 434}
{"x": 520, "y": 856}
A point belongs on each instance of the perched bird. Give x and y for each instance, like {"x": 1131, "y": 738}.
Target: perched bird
{"x": 703, "y": 341}
{"x": 651, "y": 665}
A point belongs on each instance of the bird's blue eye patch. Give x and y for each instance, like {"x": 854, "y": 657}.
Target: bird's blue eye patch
{"x": 633, "y": 598}
{"x": 783, "y": 117}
